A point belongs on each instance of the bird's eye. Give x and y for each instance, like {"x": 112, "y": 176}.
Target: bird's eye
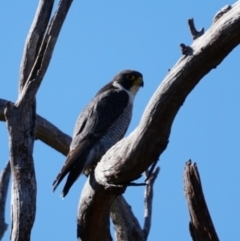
{"x": 130, "y": 77}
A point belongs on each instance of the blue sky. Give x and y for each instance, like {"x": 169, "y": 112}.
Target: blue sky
{"x": 97, "y": 41}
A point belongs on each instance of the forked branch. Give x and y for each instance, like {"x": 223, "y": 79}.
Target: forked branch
{"x": 21, "y": 116}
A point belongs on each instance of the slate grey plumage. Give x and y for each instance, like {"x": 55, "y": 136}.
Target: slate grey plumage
{"x": 102, "y": 123}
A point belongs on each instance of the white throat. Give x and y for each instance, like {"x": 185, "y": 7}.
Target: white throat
{"x": 132, "y": 92}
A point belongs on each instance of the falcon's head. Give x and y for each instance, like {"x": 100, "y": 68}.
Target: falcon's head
{"x": 129, "y": 80}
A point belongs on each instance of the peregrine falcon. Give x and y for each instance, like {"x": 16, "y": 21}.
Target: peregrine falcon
{"x": 102, "y": 123}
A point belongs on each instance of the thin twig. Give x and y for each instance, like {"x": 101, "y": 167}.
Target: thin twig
{"x": 195, "y": 34}
{"x": 148, "y": 199}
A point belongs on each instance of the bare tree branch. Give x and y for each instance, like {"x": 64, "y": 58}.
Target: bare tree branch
{"x": 4, "y": 183}
{"x": 97, "y": 211}
{"x": 46, "y": 132}
{"x": 21, "y": 116}
{"x": 133, "y": 155}
{"x": 126, "y": 225}
{"x": 21, "y": 121}
{"x": 148, "y": 198}
{"x": 193, "y": 30}
{"x": 34, "y": 38}
{"x": 52, "y": 136}
{"x": 44, "y": 54}
{"x": 201, "y": 225}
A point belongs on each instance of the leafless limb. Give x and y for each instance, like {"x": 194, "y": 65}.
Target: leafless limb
{"x": 21, "y": 116}
{"x": 4, "y": 183}
{"x": 134, "y": 154}
{"x": 43, "y": 56}
{"x": 97, "y": 210}
{"x": 126, "y": 225}
{"x": 148, "y": 199}
{"x": 201, "y": 225}
{"x": 52, "y": 136}
{"x": 46, "y": 132}
{"x": 34, "y": 39}
{"x": 193, "y": 30}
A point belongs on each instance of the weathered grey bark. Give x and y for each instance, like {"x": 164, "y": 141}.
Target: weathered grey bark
{"x": 21, "y": 121}
{"x": 148, "y": 199}
{"x": 34, "y": 39}
{"x": 126, "y": 225}
{"x": 23, "y": 202}
{"x": 134, "y": 154}
{"x": 52, "y": 136}
{"x": 21, "y": 116}
{"x": 98, "y": 210}
{"x": 201, "y": 225}
{"x": 46, "y": 132}
{"x": 4, "y": 183}
{"x": 207, "y": 51}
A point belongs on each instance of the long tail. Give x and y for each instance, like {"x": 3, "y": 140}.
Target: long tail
{"x": 58, "y": 179}
{"x": 74, "y": 173}
{"x": 74, "y": 165}
{"x": 70, "y": 163}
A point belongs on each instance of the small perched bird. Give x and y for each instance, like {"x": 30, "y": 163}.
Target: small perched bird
{"x": 102, "y": 123}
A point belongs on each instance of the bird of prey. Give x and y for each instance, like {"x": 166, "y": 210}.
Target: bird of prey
{"x": 102, "y": 123}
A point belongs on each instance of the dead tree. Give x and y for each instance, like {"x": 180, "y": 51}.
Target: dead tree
{"x": 130, "y": 157}
{"x": 21, "y": 116}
